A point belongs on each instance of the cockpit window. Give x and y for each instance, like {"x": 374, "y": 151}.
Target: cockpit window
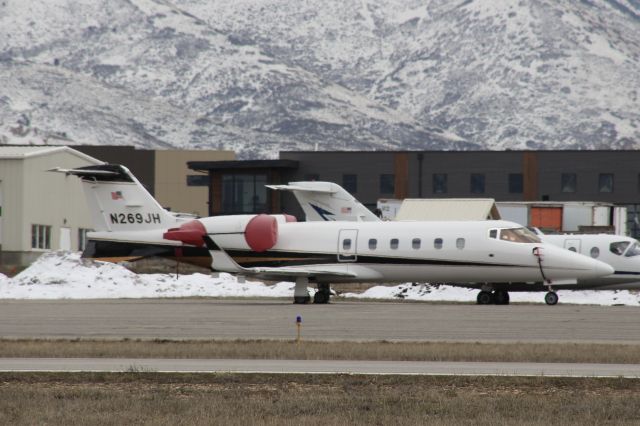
{"x": 519, "y": 235}
{"x": 634, "y": 250}
{"x": 618, "y": 247}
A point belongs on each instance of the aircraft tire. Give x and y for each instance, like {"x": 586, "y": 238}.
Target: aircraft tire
{"x": 501, "y": 297}
{"x": 301, "y": 300}
{"x": 321, "y": 297}
{"x": 551, "y": 298}
{"x": 485, "y": 298}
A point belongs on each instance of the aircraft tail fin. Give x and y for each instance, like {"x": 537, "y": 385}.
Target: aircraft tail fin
{"x": 327, "y": 201}
{"x": 117, "y": 201}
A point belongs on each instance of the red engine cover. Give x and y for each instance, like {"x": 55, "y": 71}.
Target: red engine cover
{"x": 261, "y": 232}
{"x": 191, "y": 233}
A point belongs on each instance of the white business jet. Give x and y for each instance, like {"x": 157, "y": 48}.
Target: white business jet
{"x": 130, "y": 224}
{"x": 620, "y": 252}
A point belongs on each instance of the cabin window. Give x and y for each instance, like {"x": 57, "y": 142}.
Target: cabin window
{"x": 373, "y": 244}
{"x": 460, "y": 243}
{"x": 437, "y": 243}
{"x": 415, "y": 243}
{"x": 634, "y": 250}
{"x": 519, "y": 235}
{"x": 595, "y": 252}
{"x": 618, "y": 247}
{"x": 346, "y": 244}
{"x": 493, "y": 233}
{"x": 393, "y": 243}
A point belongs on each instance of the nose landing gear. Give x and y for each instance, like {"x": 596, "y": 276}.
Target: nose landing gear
{"x": 551, "y": 298}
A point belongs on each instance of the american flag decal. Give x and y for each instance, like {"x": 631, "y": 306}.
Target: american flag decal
{"x": 117, "y": 195}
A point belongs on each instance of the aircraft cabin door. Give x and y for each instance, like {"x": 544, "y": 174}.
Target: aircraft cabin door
{"x": 572, "y": 244}
{"x": 347, "y": 245}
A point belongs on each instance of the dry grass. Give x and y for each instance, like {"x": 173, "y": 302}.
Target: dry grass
{"x": 227, "y": 399}
{"x": 272, "y": 349}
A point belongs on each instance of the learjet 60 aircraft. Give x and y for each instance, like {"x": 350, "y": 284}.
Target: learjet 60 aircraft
{"x": 131, "y": 224}
{"x": 322, "y": 201}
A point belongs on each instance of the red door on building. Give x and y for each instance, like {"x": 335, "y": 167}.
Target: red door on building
{"x": 547, "y": 218}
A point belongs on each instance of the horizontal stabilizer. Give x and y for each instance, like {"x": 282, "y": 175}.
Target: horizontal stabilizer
{"x": 325, "y": 189}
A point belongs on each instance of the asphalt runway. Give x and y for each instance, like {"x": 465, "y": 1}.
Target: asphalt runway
{"x": 319, "y": 367}
{"x": 269, "y": 319}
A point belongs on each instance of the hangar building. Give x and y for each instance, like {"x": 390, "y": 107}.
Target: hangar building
{"x": 40, "y": 210}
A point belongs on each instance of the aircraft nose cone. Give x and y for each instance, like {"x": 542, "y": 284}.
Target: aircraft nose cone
{"x": 602, "y": 269}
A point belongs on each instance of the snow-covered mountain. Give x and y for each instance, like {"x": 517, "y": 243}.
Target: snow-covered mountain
{"x": 258, "y": 76}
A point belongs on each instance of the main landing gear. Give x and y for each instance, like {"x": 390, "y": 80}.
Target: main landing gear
{"x": 301, "y": 292}
{"x": 501, "y": 297}
{"x": 498, "y": 297}
{"x": 323, "y": 294}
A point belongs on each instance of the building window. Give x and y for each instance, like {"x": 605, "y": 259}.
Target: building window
{"x": 439, "y": 183}
{"x": 605, "y": 182}
{"x": 82, "y": 238}
{"x": 568, "y": 182}
{"x": 244, "y": 193}
{"x": 350, "y": 183}
{"x": 393, "y": 243}
{"x": 515, "y": 183}
{"x": 41, "y": 237}
{"x": 460, "y": 243}
{"x": 387, "y": 184}
{"x": 415, "y": 243}
{"x": 373, "y": 243}
{"x": 197, "y": 180}
{"x": 477, "y": 183}
{"x": 437, "y": 243}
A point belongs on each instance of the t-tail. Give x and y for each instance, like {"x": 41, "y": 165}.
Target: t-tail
{"x": 327, "y": 201}
{"x": 117, "y": 201}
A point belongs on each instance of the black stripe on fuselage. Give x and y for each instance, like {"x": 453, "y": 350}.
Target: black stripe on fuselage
{"x": 247, "y": 258}
{"x": 626, "y": 273}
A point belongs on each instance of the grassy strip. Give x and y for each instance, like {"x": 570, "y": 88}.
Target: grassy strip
{"x": 272, "y": 349}
{"x": 232, "y": 399}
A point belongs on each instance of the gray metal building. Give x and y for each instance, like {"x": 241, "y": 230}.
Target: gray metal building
{"x": 39, "y": 210}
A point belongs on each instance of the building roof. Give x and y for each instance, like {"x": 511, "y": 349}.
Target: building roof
{"x": 448, "y": 209}
{"x": 20, "y": 152}
{"x": 242, "y": 164}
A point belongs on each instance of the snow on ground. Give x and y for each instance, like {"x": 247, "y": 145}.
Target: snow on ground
{"x": 63, "y": 275}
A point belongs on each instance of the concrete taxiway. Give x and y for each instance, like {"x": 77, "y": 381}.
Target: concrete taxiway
{"x": 319, "y": 367}
{"x": 343, "y": 320}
